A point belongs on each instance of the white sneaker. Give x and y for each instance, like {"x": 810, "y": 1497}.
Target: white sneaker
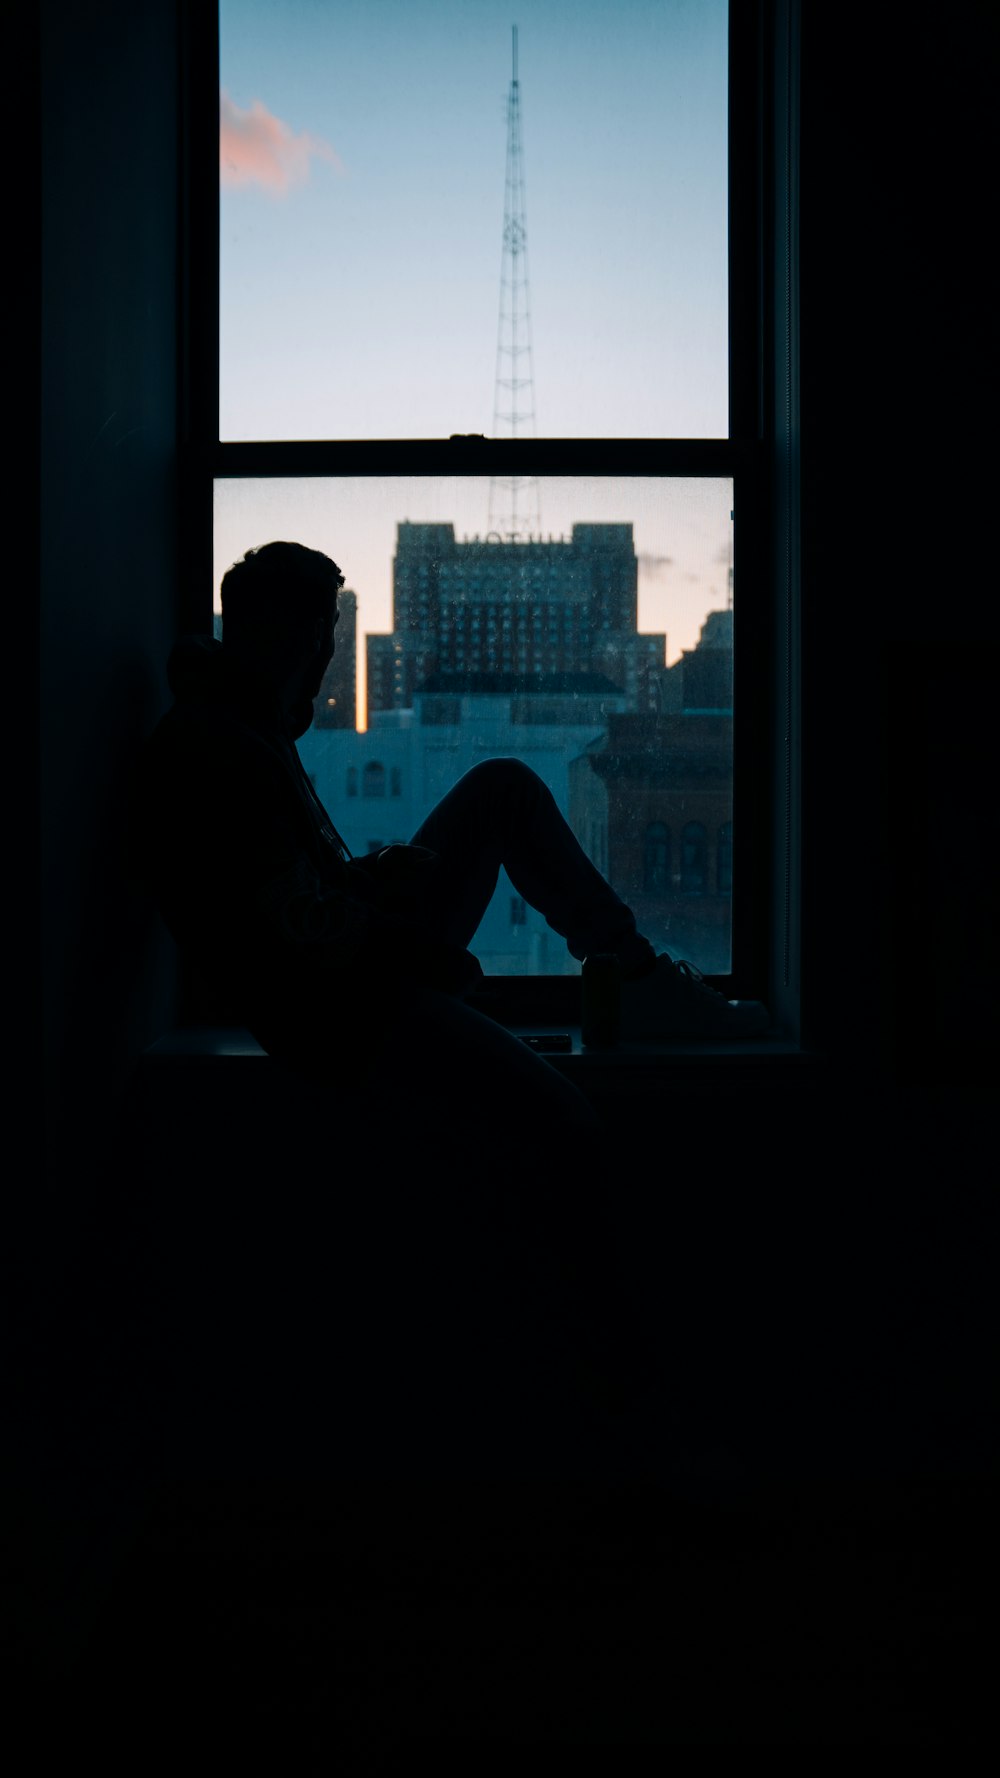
{"x": 675, "y": 1000}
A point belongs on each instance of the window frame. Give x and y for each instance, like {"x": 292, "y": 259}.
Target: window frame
{"x": 760, "y": 457}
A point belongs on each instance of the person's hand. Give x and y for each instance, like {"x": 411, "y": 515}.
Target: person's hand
{"x": 404, "y": 874}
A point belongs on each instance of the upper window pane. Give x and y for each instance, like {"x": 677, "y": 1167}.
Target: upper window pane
{"x": 413, "y": 245}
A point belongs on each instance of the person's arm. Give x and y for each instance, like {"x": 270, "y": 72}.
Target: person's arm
{"x": 321, "y": 920}
{"x": 338, "y": 930}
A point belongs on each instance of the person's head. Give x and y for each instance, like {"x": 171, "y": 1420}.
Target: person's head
{"x": 279, "y": 612}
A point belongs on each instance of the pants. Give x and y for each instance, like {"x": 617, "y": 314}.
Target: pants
{"x": 500, "y": 813}
{"x": 508, "y": 1124}
{"x": 452, "y": 1128}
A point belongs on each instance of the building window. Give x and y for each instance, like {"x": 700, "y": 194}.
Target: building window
{"x": 395, "y": 781}
{"x": 518, "y": 911}
{"x": 374, "y": 779}
{"x": 724, "y": 866}
{"x": 656, "y": 859}
{"x": 694, "y": 858}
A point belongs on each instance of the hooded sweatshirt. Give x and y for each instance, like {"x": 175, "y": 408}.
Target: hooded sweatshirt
{"x": 252, "y": 878}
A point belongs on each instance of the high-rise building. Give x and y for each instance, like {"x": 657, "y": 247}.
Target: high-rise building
{"x": 337, "y": 703}
{"x": 651, "y": 801}
{"x": 524, "y": 610}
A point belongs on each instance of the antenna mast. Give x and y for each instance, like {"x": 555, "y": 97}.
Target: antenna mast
{"x": 514, "y": 500}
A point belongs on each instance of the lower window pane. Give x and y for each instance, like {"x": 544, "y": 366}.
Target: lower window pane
{"x": 597, "y": 647}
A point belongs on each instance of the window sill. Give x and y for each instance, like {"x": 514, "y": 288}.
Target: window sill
{"x": 772, "y": 1060}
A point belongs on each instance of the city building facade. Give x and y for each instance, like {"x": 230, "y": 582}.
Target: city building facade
{"x": 533, "y": 607}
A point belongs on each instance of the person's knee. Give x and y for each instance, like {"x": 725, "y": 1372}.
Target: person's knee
{"x": 507, "y": 777}
{"x": 509, "y": 784}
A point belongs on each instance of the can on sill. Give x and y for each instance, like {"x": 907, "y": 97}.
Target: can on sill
{"x": 600, "y": 1000}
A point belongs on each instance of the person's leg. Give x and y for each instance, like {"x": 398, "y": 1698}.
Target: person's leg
{"x": 501, "y": 813}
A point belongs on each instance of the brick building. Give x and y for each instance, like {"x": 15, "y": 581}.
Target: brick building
{"x": 651, "y": 802}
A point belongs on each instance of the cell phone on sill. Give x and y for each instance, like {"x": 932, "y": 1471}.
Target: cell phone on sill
{"x": 549, "y": 1040}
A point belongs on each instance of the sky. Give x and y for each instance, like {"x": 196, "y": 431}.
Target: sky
{"x": 362, "y": 168}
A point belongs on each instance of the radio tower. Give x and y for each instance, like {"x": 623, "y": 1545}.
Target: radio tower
{"x": 514, "y": 499}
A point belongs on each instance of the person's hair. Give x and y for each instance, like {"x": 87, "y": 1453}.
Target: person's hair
{"x": 278, "y": 593}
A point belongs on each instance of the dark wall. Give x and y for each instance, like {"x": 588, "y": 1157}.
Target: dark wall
{"x": 899, "y": 620}
{"x": 894, "y": 529}
{"x": 108, "y": 492}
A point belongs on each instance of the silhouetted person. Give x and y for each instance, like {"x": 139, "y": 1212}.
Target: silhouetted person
{"x": 356, "y": 959}
{"x": 357, "y": 972}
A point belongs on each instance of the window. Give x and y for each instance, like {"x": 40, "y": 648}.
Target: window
{"x": 360, "y": 438}
{"x": 694, "y": 858}
{"x": 656, "y": 859}
{"x": 724, "y": 865}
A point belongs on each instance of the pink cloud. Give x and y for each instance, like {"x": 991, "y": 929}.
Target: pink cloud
{"x": 256, "y": 148}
